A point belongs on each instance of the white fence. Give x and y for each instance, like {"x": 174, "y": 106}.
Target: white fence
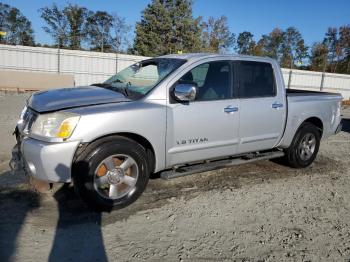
{"x": 87, "y": 67}
{"x": 317, "y": 81}
{"x": 92, "y": 67}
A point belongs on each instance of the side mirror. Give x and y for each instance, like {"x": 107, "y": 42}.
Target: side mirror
{"x": 185, "y": 92}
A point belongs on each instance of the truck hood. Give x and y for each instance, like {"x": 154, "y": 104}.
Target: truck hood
{"x": 57, "y": 99}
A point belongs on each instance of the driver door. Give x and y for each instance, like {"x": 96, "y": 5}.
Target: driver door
{"x": 207, "y": 127}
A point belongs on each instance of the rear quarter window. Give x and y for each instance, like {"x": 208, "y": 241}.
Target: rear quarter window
{"x": 256, "y": 79}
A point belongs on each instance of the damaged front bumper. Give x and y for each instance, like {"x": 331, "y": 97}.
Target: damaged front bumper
{"x": 16, "y": 162}
{"x": 45, "y": 161}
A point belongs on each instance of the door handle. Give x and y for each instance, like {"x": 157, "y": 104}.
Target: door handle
{"x": 230, "y": 109}
{"x": 277, "y": 105}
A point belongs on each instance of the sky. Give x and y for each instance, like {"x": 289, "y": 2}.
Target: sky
{"x": 310, "y": 17}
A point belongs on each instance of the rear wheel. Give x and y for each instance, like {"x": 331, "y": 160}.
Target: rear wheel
{"x": 111, "y": 174}
{"x": 304, "y": 147}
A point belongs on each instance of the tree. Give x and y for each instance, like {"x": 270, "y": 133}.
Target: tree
{"x": 318, "y": 57}
{"x": 167, "y": 26}
{"x": 273, "y": 44}
{"x": 216, "y": 35}
{"x": 185, "y": 29}
{"x": 16, "y": 25}
{"x": 121, "y": 30}
{"x": 334, "y": 45}
{"x": 301, "y": 51}
{"x": 245, "y": 43}
{"x": 99, "y": 26}
{"x": 293, "y": 48}
{"x": 74, "y": 25}
{"x": 153, "y": 32}
{"x": 76, "y": 17}
{"x": 4, "y": 11}
{"x": 344, "y": 39}
{"x": 57, "y": 24}
{"x": 259, "y": 48}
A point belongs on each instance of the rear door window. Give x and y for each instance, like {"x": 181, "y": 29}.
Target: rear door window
{"x": 255, "y": 79}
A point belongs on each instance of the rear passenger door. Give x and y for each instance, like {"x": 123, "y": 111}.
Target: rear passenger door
{"x": 262, "y": 107}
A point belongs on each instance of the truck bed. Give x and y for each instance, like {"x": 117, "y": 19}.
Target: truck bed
{"x": 324, "y": 106}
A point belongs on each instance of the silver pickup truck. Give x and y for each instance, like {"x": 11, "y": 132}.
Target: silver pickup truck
{"x": 171, "y": 116}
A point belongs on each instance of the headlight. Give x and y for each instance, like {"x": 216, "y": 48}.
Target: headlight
{"x": 55, "y": 125}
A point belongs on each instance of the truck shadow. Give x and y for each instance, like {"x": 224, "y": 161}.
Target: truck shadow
{"x": 345, "y": 125}
{"x": 78, "y": 235}
{"x": 78, "y": 230}
{"x": 14, "y": 208}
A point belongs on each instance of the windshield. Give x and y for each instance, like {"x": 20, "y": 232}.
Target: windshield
{"x": 138, "y": 79}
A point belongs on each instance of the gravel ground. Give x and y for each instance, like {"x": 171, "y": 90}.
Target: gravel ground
{"x": 256, "y": 212}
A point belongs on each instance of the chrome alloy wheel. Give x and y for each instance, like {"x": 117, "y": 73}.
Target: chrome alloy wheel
{"x": 116, "y": 176}
{"x": 307, "y": 146}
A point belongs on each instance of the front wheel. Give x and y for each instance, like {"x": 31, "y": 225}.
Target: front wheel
{"x": 111, "y": 174}
{"x": 304, "y": 147}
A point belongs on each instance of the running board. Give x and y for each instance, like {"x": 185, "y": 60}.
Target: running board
{"x": 217, "y": 164}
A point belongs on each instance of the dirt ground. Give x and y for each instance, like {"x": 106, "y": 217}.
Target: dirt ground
{"x": 256, "y": 212}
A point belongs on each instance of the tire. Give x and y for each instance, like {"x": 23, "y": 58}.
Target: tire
{"x": 111, "y": 173}
{"x": 304, "y": 148}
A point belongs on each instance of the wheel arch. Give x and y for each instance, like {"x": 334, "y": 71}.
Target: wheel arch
{"x": 144, "y": 142}
{"x": 315, "y": 121}
{"x": 293, "y": 127}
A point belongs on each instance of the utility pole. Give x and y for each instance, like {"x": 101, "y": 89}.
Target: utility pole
{"x": 59, "y": 52}
{"x": 290, "y": 70}
{"x": 103, "y": 29}
{"x": 58, "y": 59}
{"x": 323, "y": 71}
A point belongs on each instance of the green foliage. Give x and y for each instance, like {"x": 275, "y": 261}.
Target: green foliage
{"x": 332, "y": 42}
{"x": 167, "y": 26}
{"x": 245, "y": 43}
{"x": 121, "y": 34}
{"x": 318, "y": 57}
{"x": 273, "y": 44}
{"x": 73, "y": 26}
{"x": 106, "y": 32}
{"x": 344, "y": 40}
{"x": 57, "y": 24}
{"x": 287, "y": 47}
{"x": 338, "y": 44}
{"x": 76, "y": 19}
{"x": 16, "y": 25}
{"x": 293, "y": 48}
{"x": 216, "y": 35}
{"x": 99, "y": 26}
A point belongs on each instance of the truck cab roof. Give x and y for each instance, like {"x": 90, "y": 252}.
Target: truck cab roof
{"x": 192, "y": 57}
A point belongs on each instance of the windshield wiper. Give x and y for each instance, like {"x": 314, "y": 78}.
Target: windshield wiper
{"x": 118, "y": 81}
{"x": 122, "y": 90}
{"x": 101, "y": 85}
{"x": 107, "y": 84}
